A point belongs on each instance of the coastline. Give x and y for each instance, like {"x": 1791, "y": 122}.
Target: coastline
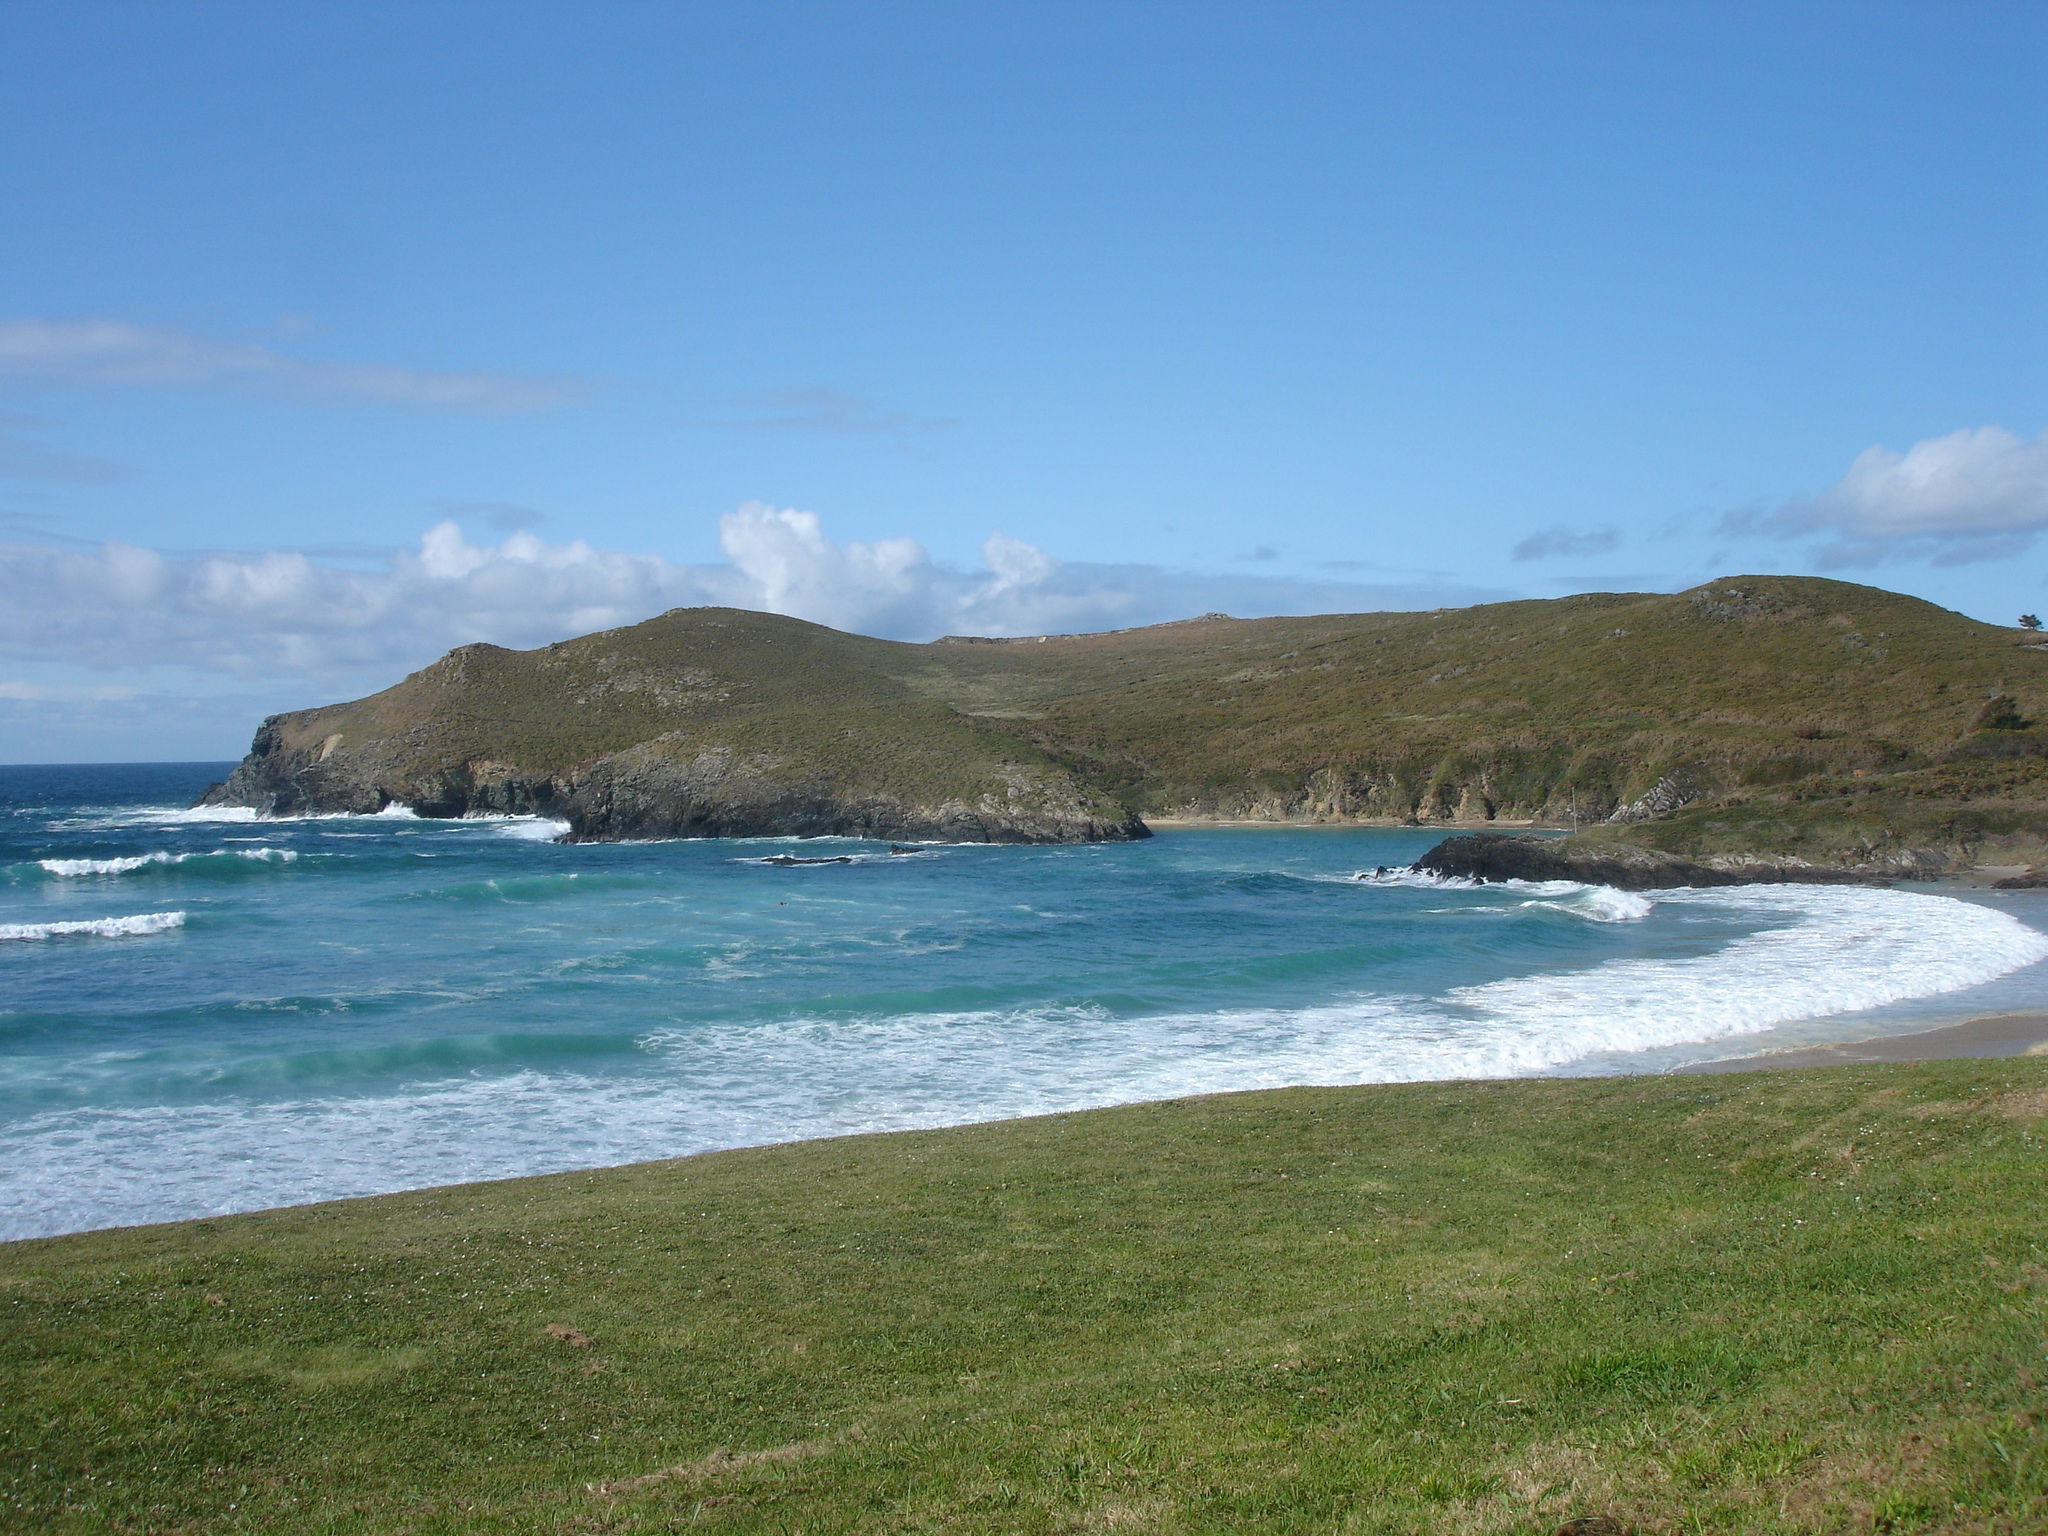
{"x": 1976, "y": 877}
{"x": 1991, "y": 1036}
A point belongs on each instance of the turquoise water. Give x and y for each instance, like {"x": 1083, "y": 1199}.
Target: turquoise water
{"x": 202, "y": 1012}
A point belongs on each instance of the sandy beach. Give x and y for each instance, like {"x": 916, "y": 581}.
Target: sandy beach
{"x": 2002, "y": 1034}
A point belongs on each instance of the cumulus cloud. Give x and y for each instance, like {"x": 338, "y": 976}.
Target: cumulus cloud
{"x": 1980, "y": 493}
{"x": 1549, "y": 543}
{"x": 269, "y": 613}
{"x": 104, "y": 351}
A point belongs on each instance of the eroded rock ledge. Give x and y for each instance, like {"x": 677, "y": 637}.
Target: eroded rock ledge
{"x": 648, "y": 793}
{"x": 1494, "y": 856}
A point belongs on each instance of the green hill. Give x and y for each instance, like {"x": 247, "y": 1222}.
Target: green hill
{"x": 1772, "y": 1303}
{"x": 702, "y": 722}
{"x": 1774, "y": 707}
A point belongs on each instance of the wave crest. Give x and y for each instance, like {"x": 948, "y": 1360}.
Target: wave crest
{"x": 127, "y": 865}
{"x": 95, "y": 927}
{"x": 1601, "y": 904}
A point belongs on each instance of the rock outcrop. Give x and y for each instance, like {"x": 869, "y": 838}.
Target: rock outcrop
{"x": 1495, "y": 856}
{"x": 653, "y": 791}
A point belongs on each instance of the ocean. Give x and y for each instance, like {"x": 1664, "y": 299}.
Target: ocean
{"x": 202, "y": 1012}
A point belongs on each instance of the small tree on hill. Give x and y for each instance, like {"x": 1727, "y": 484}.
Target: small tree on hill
{"x": 2001, "y": 712}
{"x": 2030, "y": 621}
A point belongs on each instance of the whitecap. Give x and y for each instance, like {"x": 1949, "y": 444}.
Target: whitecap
{"x": 122, "y": 866}
{"x": 1601, "y": 904}
{"x": 99, "y": 927}
{"x": 170, "y": 816}
{"x": 1414, "y": 879}
{"x": 69, "y": 868}
{"x": 531, "y": 829}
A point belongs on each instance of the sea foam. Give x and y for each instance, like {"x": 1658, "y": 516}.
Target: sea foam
{"x": 1811, "y": 951}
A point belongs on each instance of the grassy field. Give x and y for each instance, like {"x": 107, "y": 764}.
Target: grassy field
{"x": 1777, "y": 1302}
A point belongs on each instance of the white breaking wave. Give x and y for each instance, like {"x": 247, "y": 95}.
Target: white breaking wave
{"x": 100, "y": 927}
{"x": 1595, "y": 903}
{"x": 530, "y": 829}
{"x": 128, "y": 865}
{"x": 1416, "y": 879}
{"x": 1846, "y": 949}
{"x": 168, "y": 816}
{"x": 1601, "y": 904}
{"x": 202, "y": 815}
{"x": 1822, "y": 951}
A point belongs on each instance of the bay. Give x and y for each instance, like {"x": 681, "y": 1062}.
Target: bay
{"x": 203, "y": 1012}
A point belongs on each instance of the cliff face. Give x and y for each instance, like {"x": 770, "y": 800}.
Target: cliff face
{"x": 656, "y": 790}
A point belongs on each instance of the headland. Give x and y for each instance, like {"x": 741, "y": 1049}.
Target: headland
{"x": 1767, "y": 723}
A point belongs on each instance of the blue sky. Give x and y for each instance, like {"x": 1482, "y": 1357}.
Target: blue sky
{"x": 332, "y": 336}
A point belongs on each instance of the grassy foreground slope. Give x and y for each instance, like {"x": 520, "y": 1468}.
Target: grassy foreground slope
{"x": 1777, "y": 1302}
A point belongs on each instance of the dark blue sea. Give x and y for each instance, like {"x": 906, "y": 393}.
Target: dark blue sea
{"x": 203, "y": 1012}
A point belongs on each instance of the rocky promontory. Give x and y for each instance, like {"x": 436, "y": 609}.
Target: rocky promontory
{"x": 1498, "y": 856}
{"x": 701, "y": 723}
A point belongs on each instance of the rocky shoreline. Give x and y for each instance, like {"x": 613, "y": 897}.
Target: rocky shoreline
{"x": 641, "y": 794}
{"x": 1498, "y": 856}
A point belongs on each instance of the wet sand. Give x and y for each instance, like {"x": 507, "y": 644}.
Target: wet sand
{"x": 2003, "y": 1034}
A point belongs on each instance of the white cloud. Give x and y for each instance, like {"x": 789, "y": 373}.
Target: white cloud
{"x": 103, "y": 351}
{"x": 1976, "y": 494}
{"x": 1549, "y": 543}
{"x": 268, "y": 614}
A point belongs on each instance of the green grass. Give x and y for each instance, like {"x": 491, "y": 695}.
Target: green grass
{"x": 1773, "y": 1302}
